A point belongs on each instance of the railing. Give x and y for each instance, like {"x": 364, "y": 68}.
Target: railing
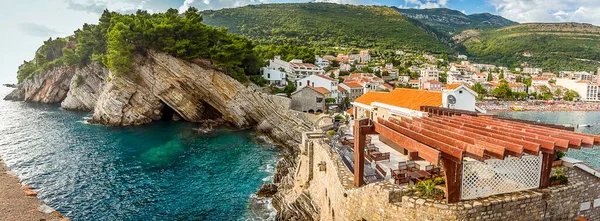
{"x": 493, "y": 177}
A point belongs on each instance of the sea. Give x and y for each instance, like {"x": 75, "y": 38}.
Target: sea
{"x": 161, "y": 171}
{"x": 585, "y": 122}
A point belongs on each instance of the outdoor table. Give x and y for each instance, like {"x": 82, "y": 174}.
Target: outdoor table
{"x": 424, "y": 173}
{"x": 415, "y": 175}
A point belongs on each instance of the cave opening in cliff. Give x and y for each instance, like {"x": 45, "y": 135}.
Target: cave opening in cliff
{"x": 168, "y": 113}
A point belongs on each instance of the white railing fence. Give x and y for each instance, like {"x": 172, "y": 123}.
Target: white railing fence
{"x": 492, "y": 177}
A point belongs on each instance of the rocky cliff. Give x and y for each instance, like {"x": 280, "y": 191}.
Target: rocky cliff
{"x": 46, "y": 87}
{"x": 161, "y": 85}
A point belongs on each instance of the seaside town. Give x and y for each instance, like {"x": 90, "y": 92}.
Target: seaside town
{"x": 333, "y": 82}
{"x": 274, "y": 112}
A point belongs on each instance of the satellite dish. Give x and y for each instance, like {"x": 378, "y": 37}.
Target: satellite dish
{"x": 451, "y": 99}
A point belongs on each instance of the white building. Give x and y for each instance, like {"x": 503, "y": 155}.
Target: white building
{"x": 532, "y": 70}
{"x": 301, "y": 70}
{"x": 274, "y": 76}
{"x": 319, "y": 81}
{"x": 587, "y": 90}
{"x": 430, "y": 73}
{"x": 459, "y": 96}
{"x": 320, "y": 62}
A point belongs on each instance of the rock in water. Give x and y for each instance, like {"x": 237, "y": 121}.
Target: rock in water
{"x": 267, "y": 190}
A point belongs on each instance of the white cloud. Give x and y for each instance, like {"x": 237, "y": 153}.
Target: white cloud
{"x": 585, "y": 11}
{"x": 426, "y": 3}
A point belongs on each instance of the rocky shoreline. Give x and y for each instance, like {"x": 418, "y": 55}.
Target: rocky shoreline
{"x": 162, "y": 86}
{"x": 20, "y": 202}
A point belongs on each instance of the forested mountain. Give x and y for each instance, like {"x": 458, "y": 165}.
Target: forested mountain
{"x": 552, "y": 46}
{"x": 327, "y": 24}
{"x": 451, "y": 21}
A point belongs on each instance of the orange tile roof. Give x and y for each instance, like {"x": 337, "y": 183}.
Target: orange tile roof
{"x": 321, "y": 90}
{"x": 405, "y": 98}
{"x": 412, "y": 98}
{"x": 353, "y": 85}
{"x": 341, "y": 89}
{"x": 452, "y": 86}
{"x": 539, "y": 79}
{"x": 413, "y": 81}
{"x": 583, "y": 81}
{"x": 350, "y": 111}
{"x": 369, "y": 97}
{"x": 388, "y": 86}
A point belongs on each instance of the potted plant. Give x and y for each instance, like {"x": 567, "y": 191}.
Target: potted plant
{"x": 558, "y": 158}
{"x": 558, "y": 177}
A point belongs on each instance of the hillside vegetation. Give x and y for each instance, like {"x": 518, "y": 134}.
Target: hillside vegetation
{"x": 451, "y": 21}
{"x": 326, "y": 25}
{"x": 118, "y": 38}
{"x": 552, "y": 46}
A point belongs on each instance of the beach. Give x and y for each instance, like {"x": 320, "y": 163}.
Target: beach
{"x": 15, "y": 204}
{"x": 498, "y": 106}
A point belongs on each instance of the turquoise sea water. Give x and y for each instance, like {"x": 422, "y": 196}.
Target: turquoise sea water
{"x": 161, "y": 171}
{"x": 588, "y": 155}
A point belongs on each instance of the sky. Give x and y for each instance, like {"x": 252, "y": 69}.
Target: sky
{"x": 26, "y": 24}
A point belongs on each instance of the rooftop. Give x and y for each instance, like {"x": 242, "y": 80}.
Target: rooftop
{"x": 305, "y": 65}
{"x": 321, "y": 90}
{"x": 402, "y": 97}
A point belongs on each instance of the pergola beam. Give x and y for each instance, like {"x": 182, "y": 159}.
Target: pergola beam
{"x": 561, "y": 140}
{"x": 528, "y": 147}
{"x": 466, "y": 143}
{"x": 512, "y": 149}
{"x": 423, "y": 151}
{"x": 448, "y": 151}
{"x": 545, "y": 145}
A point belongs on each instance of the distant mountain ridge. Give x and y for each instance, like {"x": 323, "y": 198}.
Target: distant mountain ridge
{"x": 451, "y": 21}
{"x": 329, "y": 24}
{"x": 551, "y": 46}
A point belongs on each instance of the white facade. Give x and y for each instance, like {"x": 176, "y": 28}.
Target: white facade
{"x": 319, "y": 81}
{"x": 465, "y": 98}
{"x": 320, "y": 62}
{"x": 430, "y": 73}
{"x": 274, "y": 76}
{"x": 587, "y": 90}
{"x": 302, "y": 70}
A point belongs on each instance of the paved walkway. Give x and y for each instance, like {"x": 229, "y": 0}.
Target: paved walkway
{"x": 14, "y": 204}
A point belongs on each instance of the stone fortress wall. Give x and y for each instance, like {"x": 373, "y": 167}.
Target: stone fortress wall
{"x": 322, "y": 175}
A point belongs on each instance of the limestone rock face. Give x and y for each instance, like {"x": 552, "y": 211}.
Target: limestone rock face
{"x": 46, "y": 87}
{"x": 194, "y": 91}
{"x": 85, "y": 87}
{"x": 123, "y": 102}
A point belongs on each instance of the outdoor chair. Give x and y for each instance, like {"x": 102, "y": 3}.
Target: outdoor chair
{"x": 402, "y": 179}
{"x": 402, "y": 166}
{"x": 412, "y": 166}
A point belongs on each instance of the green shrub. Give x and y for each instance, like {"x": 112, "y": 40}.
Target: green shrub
{"x": 339, "y": 117}
{"x": 330, "y": 133}
{"x": 559, "y": 155}
{"x": 439, "y": 181}
{"x": 427, "y": 189}
{"x": 559, "y": 174}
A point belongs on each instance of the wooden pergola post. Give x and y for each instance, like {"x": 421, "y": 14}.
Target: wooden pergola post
{"x": 453, "y": 176}
{"x": 360, "y": 137}
{"x": 547, "y": 159}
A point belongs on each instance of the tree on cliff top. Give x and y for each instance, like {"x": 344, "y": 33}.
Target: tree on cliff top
{"x": 116, "y": 39}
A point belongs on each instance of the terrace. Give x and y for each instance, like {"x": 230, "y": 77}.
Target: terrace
{"x": 478, "y": 156}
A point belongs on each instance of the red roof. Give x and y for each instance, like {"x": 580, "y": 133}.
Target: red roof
{"x": 353, "y": 85}
{"x": 402, "y": 97}
{"x": 452, "y": 86}
{"x": 341, "y": 89}
{"x": 413, "y": 81}
{"x": 388, "y": 86}
{"x": 434, "y": 82}
{"x": 321, "y": 90}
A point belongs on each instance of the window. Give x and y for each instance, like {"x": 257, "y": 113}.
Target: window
{"x": 319, "y": 99}
{"x": 268, "y": 75}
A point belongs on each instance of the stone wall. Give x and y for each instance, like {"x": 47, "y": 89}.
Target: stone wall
{"x": 588, "y": 194}
{"x": 332, "y": 191}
